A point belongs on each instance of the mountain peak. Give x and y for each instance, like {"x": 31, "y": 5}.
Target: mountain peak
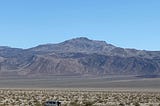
{"x": 85, "y": 40}
{"x": 81, "y": 44}
{"x": 81, "y": 38}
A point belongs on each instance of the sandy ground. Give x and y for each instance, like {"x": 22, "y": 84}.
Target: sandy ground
{"x": 150, "y": 83}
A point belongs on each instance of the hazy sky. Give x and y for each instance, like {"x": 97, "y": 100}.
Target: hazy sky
{"x": 124, "y": 23}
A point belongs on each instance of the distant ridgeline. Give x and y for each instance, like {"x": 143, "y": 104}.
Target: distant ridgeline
{"x": 78, "y": 57}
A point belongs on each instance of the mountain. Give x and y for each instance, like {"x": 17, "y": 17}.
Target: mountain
{"x": 78, "y": 57}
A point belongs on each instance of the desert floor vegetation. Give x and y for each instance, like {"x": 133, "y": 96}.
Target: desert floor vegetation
{"x": 78, "y": 97}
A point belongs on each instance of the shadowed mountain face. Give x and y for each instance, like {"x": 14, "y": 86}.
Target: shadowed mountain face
{"x": 80, "y": 56}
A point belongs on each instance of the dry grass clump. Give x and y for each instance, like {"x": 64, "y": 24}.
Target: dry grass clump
{"x": 36, "y": 97}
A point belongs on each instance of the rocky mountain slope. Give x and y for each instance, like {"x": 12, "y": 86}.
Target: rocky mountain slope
{"x": 79, "y": 56}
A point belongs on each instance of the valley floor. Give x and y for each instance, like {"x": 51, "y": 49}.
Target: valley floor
{"x": 70, "y": 91}
{"x": 74, "y": 82}
{"x": 79, "y": 97}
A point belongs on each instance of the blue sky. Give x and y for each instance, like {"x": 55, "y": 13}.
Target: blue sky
{"x": 124, "y": 23}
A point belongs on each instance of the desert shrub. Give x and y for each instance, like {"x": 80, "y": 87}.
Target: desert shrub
{"x": 136, "y": 104}
{"x": 88, "y": 103}
{"x": 74, "y": 104}
{"x": 121, "y": 104}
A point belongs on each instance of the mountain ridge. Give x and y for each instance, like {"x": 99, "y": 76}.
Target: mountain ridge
{"x": 78, "y": 56}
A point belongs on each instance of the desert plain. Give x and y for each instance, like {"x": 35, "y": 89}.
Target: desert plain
{"x": 70, "y": 91}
